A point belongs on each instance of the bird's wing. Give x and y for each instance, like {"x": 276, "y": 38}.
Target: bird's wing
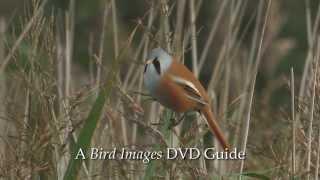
{"x": 190, "y": 90}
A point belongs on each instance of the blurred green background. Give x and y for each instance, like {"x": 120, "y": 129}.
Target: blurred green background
{"x": 285, "y": 46}
{"x": 290, "y": 27}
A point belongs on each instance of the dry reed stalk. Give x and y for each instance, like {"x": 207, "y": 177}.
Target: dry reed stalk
{"x": 151, "y": 18}
{"x": 236, "y": 16}
{"x": 144, "y": 56}
{"x": 115, "y": 32}
{"x": 249, "y": 68}
{"x": 293, "y": 155}
{"x": 133, "y": 66}
{"x": 101, "y": 43}
{"x": 229, "y": 47}
{"x": 243, "y": 86}
{"x": 60, "y": 70}
{"x": 195, "y": 69}
{"x": 220, "y": 67}
{"x": 226, "y": 56}
{"x": 316, "y": 173}
{"x": 115, "y": 28}
{"x": 178, "y": 32}
{"x": 37, "y": 13}
{"x": 146, "y": 41}
{"x": 216, "y": 69}
{"x": 309, "y": 23}
{"x": 3, "y": 122}
{"x": 164, "y": 24}
{"x": 67, "y": 56}
{"x": 311, "y": 34}
{"x": 316, "y": 21}
{"x": 177, "y": 47}
{"x": 91, "y": 60}
{"x": 315, "y": 76}
{"x": 187, "y": 34}
{"x": 225, "y": 92}
{"x": 60, "y": 58}
{"x": 103, "y": 129}
{"x": 130, "y": 77}
{"x": 70, "y": 24}
{"x": 26, "y": 119}
{"x": 214, "y": 29}
{"x": 194, "y": 48}
{"x": 255, "y": 72}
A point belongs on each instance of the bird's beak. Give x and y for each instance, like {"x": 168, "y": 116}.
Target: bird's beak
{"x": 148, "y": 61}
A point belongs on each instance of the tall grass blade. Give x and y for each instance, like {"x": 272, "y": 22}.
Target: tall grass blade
{"x": 85, "y": 135}
{"x": 90, "y": 124}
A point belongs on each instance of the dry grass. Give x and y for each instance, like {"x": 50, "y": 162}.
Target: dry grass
{"x": 51, "y": 105}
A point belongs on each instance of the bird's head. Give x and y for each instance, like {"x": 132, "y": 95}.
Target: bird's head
{"x": 157, "y": 63}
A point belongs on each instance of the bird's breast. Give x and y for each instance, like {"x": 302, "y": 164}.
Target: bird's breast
{"x": 151, "y": 79}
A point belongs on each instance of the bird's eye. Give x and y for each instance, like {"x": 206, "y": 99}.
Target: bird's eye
{"x": 156, "y": 65}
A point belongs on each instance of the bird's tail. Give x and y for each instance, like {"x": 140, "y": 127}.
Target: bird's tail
{"x": 214, "y": 127}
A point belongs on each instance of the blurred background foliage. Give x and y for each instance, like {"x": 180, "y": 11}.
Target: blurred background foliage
{"x": 285, "y": 46}
{"x": 89, "y": 14}
{"x": 291, "y": 25}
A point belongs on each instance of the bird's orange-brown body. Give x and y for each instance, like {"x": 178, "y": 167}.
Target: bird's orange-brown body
{"x": 176, "y": 87}
{"x": 172, "y": 96}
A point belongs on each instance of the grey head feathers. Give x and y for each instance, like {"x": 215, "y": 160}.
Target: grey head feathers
{"x": 159, "y": 62}
{"x": 158, "y": 54}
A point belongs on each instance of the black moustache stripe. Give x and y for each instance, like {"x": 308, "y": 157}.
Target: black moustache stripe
{"x": 156, "y": 65}
{"x": 145, "y": 68}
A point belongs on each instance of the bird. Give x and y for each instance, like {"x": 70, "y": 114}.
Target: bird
{"x": 174, "y": 86}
